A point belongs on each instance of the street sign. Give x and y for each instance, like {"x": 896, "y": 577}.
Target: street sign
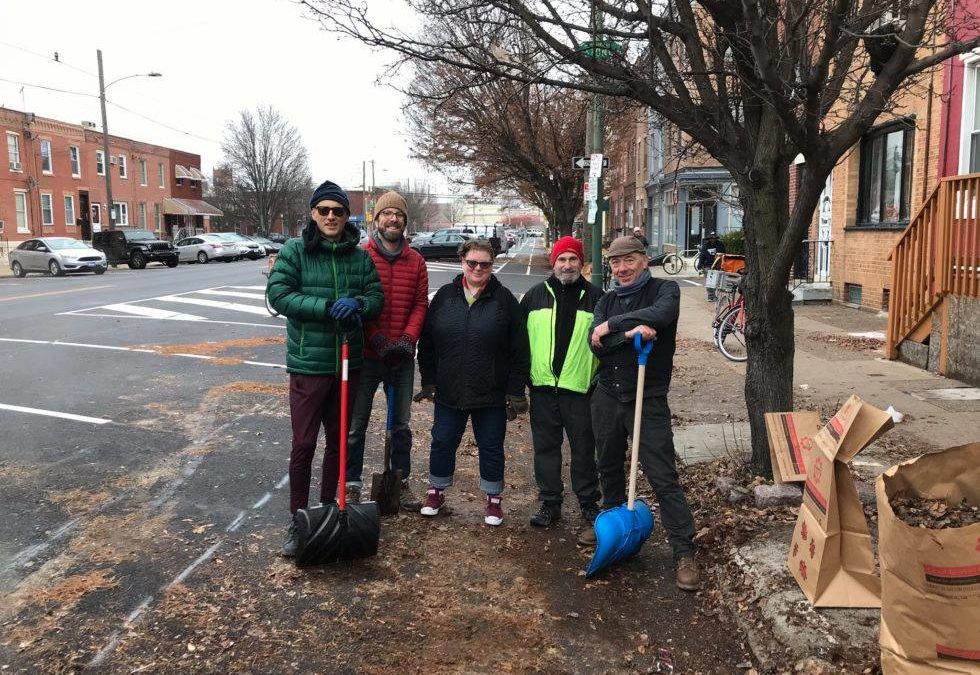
{"x": 596, "y": 165}
{"x": 584, "y": 162}
{"x": 593, "y": 211}
{"x": 593, "y": 187}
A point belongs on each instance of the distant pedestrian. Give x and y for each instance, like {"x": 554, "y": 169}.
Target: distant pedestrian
{"x": 709, "y": 252}
{"x": 638, "y": 233}
{"x": 390, "y": 340}
{"x": 640, "y": 304}
{"x": 473, "y": 359}
{"x": 559, "y": 316}
{"x": 324, "y": 284}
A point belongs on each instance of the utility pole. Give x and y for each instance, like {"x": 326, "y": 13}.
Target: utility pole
{"x": 106, "y": 164}
{"x": 598, "y": 127}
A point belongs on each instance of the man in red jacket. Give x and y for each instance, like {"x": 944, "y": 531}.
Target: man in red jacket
{"x": 389, "y": 342}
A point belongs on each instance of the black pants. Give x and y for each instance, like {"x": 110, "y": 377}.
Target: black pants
{"x": 551, "y": 415}
{"x": 612, "y": 422}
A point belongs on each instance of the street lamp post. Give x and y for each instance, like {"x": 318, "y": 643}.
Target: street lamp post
{"x": 106, "y": 164}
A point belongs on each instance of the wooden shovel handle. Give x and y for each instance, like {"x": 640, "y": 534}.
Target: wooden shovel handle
{"x": 637, "y": 414}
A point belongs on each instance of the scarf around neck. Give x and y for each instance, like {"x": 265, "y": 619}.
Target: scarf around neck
{"x": 390, "y": 256}
{"x": 630, "y": 289}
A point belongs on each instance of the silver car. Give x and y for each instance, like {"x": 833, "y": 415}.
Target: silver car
{"x": 55, "y": 255}
{"x": 246, "y": 247}
{"x": 204, "y": 248}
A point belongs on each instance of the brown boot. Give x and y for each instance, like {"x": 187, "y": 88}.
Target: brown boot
{"x": 688, "y": 577}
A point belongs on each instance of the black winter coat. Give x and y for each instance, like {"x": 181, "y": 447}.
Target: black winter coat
{"x": 657, "y": 305}
{"x": 477, "y": 354}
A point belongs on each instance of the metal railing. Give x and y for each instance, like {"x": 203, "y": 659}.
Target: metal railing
{"x": 812, "y": 264}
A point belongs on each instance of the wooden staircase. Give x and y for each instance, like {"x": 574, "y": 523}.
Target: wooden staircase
{"x": 936, "y": 257}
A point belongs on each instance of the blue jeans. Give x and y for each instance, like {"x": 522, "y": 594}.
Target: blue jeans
{"x": 372, "y": 374}
{"x": 489, "y": 427}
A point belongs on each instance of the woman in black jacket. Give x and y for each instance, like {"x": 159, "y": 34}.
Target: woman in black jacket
{"x": 474, "y": 361}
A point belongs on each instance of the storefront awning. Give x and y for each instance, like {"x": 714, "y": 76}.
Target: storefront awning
{"x": 189, "y": 207}
{"x": 195, "y": 173}
{"x": 182, "y": 172}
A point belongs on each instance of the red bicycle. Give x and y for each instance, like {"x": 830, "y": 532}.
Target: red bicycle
{"x": 730, "y": 331}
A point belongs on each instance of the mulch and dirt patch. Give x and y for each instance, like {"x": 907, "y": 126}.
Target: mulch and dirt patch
{"x": 219, "y": 347}
{"x": 850, "y": 342}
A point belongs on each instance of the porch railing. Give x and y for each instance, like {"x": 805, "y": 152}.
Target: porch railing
{"x": 937, "y": 255}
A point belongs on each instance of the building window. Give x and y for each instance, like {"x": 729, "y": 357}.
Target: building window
{"x": 69, "y": 211}
{"x": 96, "y": 213}
{"x": 100, "y": 162}
{"x": 852, "y": 293}
{"x": 75, "y": 158}
{"x": 141, "y": 214}
{"x": 161, "y": 176}
{"x": 156, "y": 217}
{"x": 47, "y": 165}
{"x": 20, "y": 209}
{"x": 142, "y": 172}
{"x": 886, "y": 175}
{"x": 47, "y": 210}
{"x": 122, "y": 166}
{"x": 13, "y": 152}
{"x": 121, "y": 212}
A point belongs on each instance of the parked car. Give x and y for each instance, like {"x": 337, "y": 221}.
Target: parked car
{"x": 269, "y": 245}
{"x": 56, "y": 255}
{"x": 278, "y": 237}
{"x": 246, "y": 247}
{"x": 494, "y": 234}
{"x": 204, "y": 248}
{"x": 441, "y": 245}
{"x": 136, "y": 248}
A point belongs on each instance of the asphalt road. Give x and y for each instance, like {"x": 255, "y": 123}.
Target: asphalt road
{"x": 135, "y": 406}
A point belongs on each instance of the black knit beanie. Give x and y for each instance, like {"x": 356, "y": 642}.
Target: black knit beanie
{"x": 332, "y": 191}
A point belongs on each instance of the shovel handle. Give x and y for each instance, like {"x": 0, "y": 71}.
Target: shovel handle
{"x": 341, "y": 480}
{"x": 637, "y": 414}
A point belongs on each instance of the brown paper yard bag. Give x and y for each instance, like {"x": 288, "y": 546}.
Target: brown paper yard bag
{"x": 930, "y": 579}
{"x": 830, "y": 554}
{"x": 790, "y": 434}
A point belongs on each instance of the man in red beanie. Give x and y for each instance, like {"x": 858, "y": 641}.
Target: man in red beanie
{"x": 559, "y": 314}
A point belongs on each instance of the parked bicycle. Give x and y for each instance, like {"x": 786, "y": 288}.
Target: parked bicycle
{"x": 729, "y": 321}
{"x": 267, "y": 273}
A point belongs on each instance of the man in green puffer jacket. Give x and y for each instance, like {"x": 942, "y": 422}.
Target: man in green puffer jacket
{"x": 324, "y": 284}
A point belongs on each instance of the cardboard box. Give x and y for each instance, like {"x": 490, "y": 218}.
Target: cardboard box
{"x": 930, "y": 578}
{"x": 790, "y": 437}
{"x": 830, "y": 554}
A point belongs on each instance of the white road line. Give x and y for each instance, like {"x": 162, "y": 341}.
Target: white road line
{"x": 262, "y": 502}
{"x": 244, "y": 288}
{"x": 203, "y": 357}
{"x": 501, "y": 268}
{"x": 282, "y": 482}
{"x": 151, "y": 312}
{"x": 236, "y": 523}
{"x": 131, "y": 618}
{"x": 179, "y": 579}
{"x": 218, "y": 304}
{"x": 264, "y": 364}
{"x": 54, "y": 413}
{"x": 34, "y": 550}
{"x": 232, "y": 294}
{"x": 688, "y": 281}
{"x": 275, "y": 326}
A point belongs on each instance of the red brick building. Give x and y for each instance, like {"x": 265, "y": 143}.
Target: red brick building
{"x": 53, "y": 182}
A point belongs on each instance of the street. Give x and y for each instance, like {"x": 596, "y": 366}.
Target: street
{"x": 143, "y": 456}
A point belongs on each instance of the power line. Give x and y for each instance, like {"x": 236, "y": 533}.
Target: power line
{"x": 163, "y": 124}
{"x": 41, "y": 86}
{"x": 47, "y": 58}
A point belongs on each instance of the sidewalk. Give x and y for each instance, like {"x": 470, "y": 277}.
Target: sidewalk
{"x": 838, "y": 353}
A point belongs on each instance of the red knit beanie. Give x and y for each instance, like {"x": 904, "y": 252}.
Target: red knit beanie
{"x": 567, "y": 245}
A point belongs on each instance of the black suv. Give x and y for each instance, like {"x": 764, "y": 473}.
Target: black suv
{"x": 136, "y": 248}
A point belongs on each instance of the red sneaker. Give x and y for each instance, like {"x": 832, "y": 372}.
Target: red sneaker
{"x": 434, "y": 500}
{"x": 493, "y": 515}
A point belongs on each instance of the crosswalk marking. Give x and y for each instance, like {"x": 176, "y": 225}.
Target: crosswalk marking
{"x": 232, "y": 294}
{"x": 151, "y": 312}
{"x": 219, "y": 304}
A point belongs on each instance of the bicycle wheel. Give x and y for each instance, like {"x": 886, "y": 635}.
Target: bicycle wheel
{"x": 730, "y": 335}
{"x": 673, "y": 263}
{"x": 698, "y": 267}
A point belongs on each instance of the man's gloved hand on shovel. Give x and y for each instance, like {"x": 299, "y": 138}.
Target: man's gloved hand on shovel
{"x": 516, "y": 405}
{"x": 428, "y": 392}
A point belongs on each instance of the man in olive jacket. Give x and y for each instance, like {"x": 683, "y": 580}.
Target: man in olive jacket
{"x": 324, "y": 284}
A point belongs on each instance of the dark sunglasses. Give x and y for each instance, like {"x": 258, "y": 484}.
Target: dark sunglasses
{"x": 338, "y": 211}
{"x": 473, "y": 264}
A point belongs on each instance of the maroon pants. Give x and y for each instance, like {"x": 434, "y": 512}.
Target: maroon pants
{"x": 314, "y": 400}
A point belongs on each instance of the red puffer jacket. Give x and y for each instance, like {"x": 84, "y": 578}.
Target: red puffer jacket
{"x": 406, "y": 288}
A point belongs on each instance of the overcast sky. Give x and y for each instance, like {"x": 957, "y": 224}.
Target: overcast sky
{"x": 217, "y": 58}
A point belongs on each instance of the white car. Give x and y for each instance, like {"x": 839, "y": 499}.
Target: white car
{"x": 55, "y": 255}
{"x": 246, "y": 247}
{"x": 204, "y": 248}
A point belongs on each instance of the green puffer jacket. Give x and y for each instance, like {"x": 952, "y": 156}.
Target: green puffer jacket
{"x": 301, "y": 287}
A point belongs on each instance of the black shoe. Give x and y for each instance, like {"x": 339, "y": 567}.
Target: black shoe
{"x": 409, "y": 502}
{"x": 546, "y": 515}
{"x": 590, "y": 512}
{"x": 291, "y": 545}
{"x": 586, "y": 536}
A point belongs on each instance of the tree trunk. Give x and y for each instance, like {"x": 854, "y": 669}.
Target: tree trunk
{"x": 769, "y": 327}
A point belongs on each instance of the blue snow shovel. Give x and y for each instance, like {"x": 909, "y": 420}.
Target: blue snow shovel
{"x": 620, "y": 532}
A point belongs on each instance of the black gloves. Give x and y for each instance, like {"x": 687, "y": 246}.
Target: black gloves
{"x": 516, "y": 405}
{"x": 428, "y": 392}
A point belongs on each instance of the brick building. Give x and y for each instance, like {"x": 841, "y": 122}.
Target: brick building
{"x": 53, "y": 183}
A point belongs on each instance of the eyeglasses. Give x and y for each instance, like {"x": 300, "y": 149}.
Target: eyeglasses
{"x": 473, "y": 264}
{"x": 388, "y": 213}
{"x": 338, "y": 211}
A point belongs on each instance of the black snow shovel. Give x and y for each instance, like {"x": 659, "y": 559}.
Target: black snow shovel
{"x": 386, "y": 487}
{"x": 338, "y": 531}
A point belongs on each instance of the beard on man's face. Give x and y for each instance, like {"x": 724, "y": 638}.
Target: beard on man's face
{"x": 567, "y": 278}
{"x": 390, "y": 234}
